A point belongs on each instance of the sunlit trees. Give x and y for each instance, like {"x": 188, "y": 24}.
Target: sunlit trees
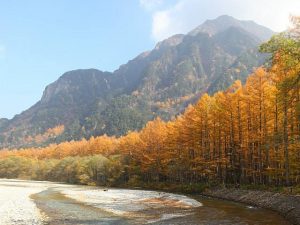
{"x": 247, "y": 134}
{"x": 285, "y": 56}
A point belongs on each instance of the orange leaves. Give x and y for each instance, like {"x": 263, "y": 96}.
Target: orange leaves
{"x": 50, "y": 133}
{"x": 233, "y": 136}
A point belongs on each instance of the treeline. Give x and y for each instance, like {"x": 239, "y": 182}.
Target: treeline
{"x": 90, "y": 170}
{"x": 248, "y": 134}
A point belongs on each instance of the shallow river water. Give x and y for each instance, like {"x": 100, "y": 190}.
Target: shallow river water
{"x": 46, "y": 203}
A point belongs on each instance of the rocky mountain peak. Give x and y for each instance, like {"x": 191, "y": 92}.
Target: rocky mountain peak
{"x": 171, "y": 41}
{"x": 76, "y": 81}
{"x": 223, "y": 22}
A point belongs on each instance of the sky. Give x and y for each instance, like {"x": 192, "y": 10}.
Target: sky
{"x": 40, "y": 40}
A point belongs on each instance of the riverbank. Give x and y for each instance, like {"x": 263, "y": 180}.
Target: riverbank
{"x": 278, "y": 200}
{"x": 36, "y": 202}
{"x": 286, "y": 205}
{"x": 56, "y": 203}
{"x": 16, "y": 206}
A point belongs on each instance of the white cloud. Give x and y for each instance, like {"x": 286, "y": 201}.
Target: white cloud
{"x": 151, "y": 4}
{"x": 187, "y": 14}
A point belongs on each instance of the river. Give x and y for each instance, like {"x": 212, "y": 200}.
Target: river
{"x": 47, "y": 203}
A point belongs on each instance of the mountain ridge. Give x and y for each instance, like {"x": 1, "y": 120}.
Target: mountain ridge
{"x": 160, "y": 82}
{"x": 223, "y": 22}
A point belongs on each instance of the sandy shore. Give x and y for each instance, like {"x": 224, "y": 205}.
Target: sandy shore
{"x": 16, "y": 206}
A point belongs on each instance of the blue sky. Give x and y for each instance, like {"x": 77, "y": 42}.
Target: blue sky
{"x": 40, "y": 40}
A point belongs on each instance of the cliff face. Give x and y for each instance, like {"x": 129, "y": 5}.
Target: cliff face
{"x": 161, "y": 82}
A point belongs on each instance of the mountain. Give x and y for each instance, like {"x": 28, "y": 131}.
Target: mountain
{"x": 160, "y": 82}
{"x": 3, "y": 122}
{"x": 224, "y": 22}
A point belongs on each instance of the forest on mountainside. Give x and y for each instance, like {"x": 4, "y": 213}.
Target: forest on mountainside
{"x": 248, "y": 134}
